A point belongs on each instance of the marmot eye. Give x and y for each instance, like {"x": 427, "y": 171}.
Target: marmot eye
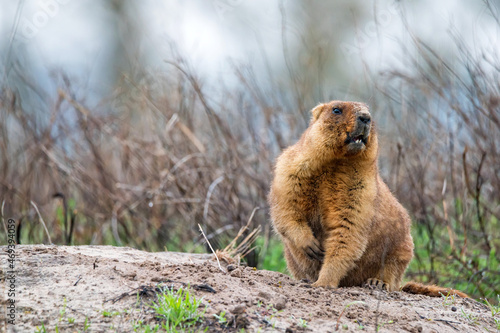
{"x": 337, "y": 111}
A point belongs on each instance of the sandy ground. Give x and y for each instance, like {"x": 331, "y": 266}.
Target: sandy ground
{"x": 112, "y": 287}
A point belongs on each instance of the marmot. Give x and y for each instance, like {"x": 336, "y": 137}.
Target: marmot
{"x": 339, "y": 223}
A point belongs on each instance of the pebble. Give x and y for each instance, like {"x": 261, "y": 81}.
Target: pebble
{"x": 238, "y": 309}
{"x": 236, "y": 273}
{"x": 280, "y": 303}
{"x": 265, "y": 295}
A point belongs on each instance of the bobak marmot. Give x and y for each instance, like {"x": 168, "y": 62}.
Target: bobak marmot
{"x": 340, "y": 224}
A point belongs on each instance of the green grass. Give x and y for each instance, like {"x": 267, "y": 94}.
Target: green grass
{"x": 86, "y": 324}
{"x": 41, "y": 329}
{"x": 106, "y": 313}
{"x": 177, "y": 310}
{"x": 448, "y": 299}
{"x": 471, "y": 318}
{"x": 221, "y": 318}
{"x": 273, "y": 259}
{"x": 302, "y": 323}
{"x": 379, "y": 326}
{"x": 173, "y": 311}
{"x": 495, "y": 311}
{"x": 61, "y": 325}
{"x": 473, "y": 272}
{"x": 345, "y": 308}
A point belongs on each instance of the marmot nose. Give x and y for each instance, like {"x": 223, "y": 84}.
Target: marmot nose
{"x": 364, "y": 118}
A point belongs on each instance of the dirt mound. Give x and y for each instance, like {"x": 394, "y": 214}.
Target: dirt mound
{"x": 107, "y": 289}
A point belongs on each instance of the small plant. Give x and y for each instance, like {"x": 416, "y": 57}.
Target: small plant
{"x": 110, "y": 313}
{"x": 86, "y": 324}
{"x": 302, "y": 323}
{"x": 495, "y": 309}
{"x": 62, "y": 312}
{"x": 470, "y": 317}
{"x": 360, "y": 324}
{"x": 221, "y": 317}
{"x": 343, "y": 310}
{"x": 41, "y": 329}
{"x": 497, "y": 323}
{"x": 177, "y": 309}
{"x": 448, "y": 299}
{"x": 379, "y": 326}
{"x": 137, "y": 325}
{"x": 149, "y": 329}
{"x": 273, "y": 311}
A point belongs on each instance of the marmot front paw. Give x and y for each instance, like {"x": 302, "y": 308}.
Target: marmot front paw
{"x": 312, "y": 249}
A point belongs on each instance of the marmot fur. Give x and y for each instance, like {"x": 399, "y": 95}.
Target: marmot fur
{"x": 340, "y": 224}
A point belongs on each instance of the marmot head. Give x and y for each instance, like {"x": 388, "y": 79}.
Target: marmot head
{"x": 345, "y": 127}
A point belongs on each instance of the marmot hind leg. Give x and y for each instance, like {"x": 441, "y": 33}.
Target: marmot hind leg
{"x": 389, "y": 277}
{"x": 373, "y": 283}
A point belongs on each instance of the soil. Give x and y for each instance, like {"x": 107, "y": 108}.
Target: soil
{"x": 112, "y": 287}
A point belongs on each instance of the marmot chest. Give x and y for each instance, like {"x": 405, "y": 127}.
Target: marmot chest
{"x": 336, "y": 195}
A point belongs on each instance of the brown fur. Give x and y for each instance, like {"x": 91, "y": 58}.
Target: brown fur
{"x": 338, "y": 220}
{"x": 434, "y": 291}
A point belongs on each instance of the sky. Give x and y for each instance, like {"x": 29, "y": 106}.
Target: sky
{"x": 74, "y": 36}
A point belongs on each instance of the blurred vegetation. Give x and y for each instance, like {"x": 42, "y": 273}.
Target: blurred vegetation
{"x": 164, "y": 152}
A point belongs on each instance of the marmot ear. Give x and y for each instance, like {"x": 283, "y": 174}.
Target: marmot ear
{"x": 316, "y": 112}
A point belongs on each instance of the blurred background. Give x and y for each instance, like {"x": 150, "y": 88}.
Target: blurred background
{"x": 129, "y": 123}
